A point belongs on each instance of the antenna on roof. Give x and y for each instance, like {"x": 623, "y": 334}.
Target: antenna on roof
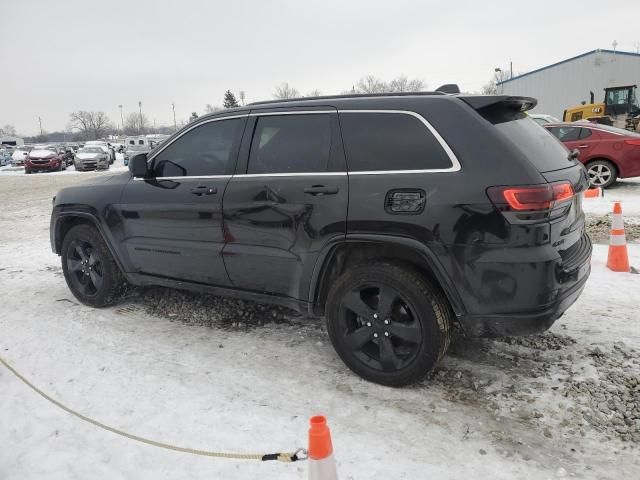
{"x": 448, "y": 88}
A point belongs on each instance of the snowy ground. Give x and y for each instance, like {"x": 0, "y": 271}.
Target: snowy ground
{"x": 216, "y": 374}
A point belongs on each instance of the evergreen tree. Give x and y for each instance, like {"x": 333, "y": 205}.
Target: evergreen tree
{"x": 230, "y": 100}
{"x": 193, "y": 117}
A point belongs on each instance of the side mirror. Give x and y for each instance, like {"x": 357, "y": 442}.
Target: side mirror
{"x": 138, "y": 165}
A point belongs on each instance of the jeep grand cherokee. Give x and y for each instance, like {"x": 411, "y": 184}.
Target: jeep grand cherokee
{"x": 393, "y": 216}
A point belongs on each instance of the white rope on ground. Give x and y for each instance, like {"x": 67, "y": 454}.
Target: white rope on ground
{"x": 286, "y": 457}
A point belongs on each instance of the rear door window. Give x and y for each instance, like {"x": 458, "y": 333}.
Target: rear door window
{"x": 390, "y": 141}
{"x": 298, "y": 143}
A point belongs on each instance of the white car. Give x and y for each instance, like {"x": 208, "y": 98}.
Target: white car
{"x": 19, "y": 155}
{"x": 102, "y": 143}
{"x": 543, "y": 118}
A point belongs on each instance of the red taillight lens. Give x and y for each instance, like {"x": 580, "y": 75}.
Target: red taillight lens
{"x": 527, "y": 198}
{"x": 530, "y": 198}
{"x": 562, "y": 191}
{"x": 633, "y": 142}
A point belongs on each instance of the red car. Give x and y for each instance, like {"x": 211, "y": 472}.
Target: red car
{"x": 608, "y": 153}
{"x": 42, "y": 158}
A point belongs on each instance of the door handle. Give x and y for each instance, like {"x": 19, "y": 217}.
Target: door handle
{"x": 204, "y": 190}
{"x": 321, "y": 190}
{"x": 583, "y": 146}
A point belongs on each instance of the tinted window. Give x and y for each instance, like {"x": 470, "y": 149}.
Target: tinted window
{"x": 390, "y": 141}
{"x": 290, "y": 144}
{"x": 544, "y": 151}
{"x": 206, "y": 150}
{"x": 584, "y": 133}
{"x": 565, "y": 134}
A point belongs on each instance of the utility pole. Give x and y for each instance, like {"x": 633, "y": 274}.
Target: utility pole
{"x": 242, "y": 97}
{"x": 510, "y": 70}
{"x": 140, "y": 107}
{"x": 175, "y": 125}
{"x": 121, "y": 119}
{"x": 40, "y": 122}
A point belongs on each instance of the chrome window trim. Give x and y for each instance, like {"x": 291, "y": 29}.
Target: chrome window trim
{"x": 196, "y": 177}
{"x": 455, "y": 164}
{"x": 293, "y": 112}
{"x": 215, "y": 119}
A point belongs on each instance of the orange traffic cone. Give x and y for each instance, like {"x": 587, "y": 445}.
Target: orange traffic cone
{"x": 593, "y": 193}
{"x": 618, "y": 258}
{"x": 322, "y": 465}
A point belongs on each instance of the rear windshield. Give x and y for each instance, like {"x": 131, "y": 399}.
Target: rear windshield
{"x": 543, "y": 149}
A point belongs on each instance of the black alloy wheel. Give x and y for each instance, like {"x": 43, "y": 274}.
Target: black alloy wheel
{"x": 388, "y": 323}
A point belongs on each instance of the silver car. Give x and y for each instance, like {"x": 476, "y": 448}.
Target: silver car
{"x": 92, "y": 158}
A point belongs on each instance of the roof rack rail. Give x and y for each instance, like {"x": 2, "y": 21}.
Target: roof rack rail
{"x": 349, "y": 95}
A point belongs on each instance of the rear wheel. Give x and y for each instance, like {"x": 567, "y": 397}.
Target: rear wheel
{"x": 89, "y": 269}
{"x": 388, "y": 323}
{"x": 602, "y": 173}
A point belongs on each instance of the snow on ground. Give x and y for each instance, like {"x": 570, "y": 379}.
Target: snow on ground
{"x": 539, "y": 407}
{"x": 626, "y": 191}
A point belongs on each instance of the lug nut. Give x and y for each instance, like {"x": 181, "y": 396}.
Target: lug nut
{"x": 387, "y": 322}
{"x": 386, "y": 334}
{"x": 375, "y": 315}
{"x": 368, "y": 324}
{"x": 375, "y": 335}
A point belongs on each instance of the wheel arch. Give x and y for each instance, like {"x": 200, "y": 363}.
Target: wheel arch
{"x": 334, "y": 260}
{"x": 66, "y": 220}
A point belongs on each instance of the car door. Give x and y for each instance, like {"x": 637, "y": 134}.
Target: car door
{"x": 173, "y": 219}
{"x": 287, "y": 201}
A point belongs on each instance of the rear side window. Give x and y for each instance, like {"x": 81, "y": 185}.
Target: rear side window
{"x": 206, "y": 150}
{"x": 390, "y": 141}
{"x": 565, "y": 134}
{"x": 584, "y": 133}
{"x": 544, "y": 151}
{"x": 291, "y": 144}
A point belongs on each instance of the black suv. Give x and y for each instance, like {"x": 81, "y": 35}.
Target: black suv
{"x": 394, "y": 216}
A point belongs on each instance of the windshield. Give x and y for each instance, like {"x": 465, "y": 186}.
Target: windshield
{"x": 91, "y": 150}
{"x": 140, "y": 148}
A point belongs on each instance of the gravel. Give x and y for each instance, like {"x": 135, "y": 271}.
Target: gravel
{"x": 599, "y": 226}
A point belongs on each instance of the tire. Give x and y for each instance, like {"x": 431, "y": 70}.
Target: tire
{"x": 602, "y": 173}
{"x": 98, "y": 281}
{"x": 27, "y": 171}
{"x": 418, "y": 330}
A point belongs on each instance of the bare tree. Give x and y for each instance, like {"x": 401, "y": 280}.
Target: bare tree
{"x": 211, "y": 108}
{"x": 136, "y": 124}
{"x": 92, "y": 125}
{"x": 8, "y": 130}
{"x": 492, "y": 87}
{"x": 370, "y": 84}
{"x": 404, "y": 84}
{"x": 314, "y": 93}
{"x": 284, "y": 91}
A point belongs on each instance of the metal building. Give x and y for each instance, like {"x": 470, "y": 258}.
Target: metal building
{"x": 569, "y": 82}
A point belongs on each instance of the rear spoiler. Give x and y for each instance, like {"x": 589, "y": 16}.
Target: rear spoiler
{"x": 499, "y": 102}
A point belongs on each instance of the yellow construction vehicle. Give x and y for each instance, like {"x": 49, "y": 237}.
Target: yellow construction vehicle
{"x": 619, "y": 109}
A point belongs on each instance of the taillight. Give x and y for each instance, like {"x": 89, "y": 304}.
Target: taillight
{"x": 633, "y": 142}
{"x": 532, "y": 203}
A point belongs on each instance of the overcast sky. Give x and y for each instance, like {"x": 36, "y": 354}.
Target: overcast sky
{"x": 65, "y": 55}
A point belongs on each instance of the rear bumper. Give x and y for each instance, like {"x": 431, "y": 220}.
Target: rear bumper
{"x": 536, "y": 300}
{"x": 517, "y": 324}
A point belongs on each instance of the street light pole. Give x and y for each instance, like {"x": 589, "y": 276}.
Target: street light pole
{"x": 40, "y": 122}
{"x": 175, "y": 125}
{"x": 140, "y": 107}
{"x": 121, "y": 119}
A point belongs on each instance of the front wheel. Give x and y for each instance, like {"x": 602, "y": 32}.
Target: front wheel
{"x": 89, "y": 269}
{"x": 602, "y": 173}
{"x": 388, "y": 323}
